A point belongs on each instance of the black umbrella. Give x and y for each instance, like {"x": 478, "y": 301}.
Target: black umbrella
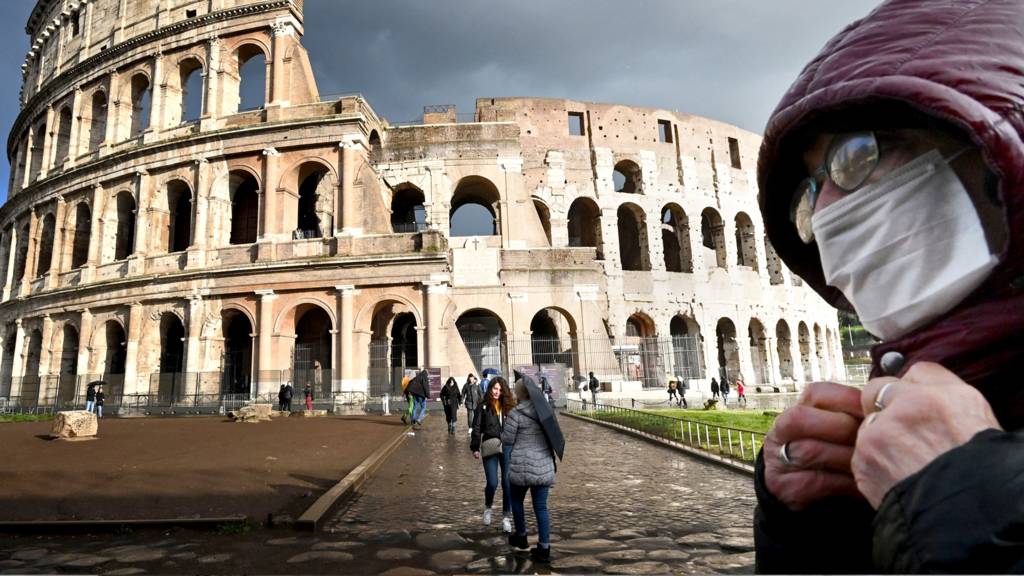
{"x": 546, "y": 416}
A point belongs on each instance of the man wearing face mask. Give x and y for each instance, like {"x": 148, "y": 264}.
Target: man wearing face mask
{"x": 892, "y": 182}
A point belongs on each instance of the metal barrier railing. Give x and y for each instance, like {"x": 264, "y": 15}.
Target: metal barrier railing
{"x": 736, "y": 444}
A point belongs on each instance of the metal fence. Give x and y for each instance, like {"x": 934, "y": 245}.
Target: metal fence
{"x": 735, "y": 444}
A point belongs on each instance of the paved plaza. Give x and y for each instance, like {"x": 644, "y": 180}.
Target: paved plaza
{"x": 620, "y": 505}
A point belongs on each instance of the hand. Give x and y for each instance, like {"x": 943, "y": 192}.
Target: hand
{"x": 476, "y": 455}
{"x": 820, "y": 431}
{"x": 925, "y": 414}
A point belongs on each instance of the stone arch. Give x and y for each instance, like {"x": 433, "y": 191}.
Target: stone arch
{"x": 245, "y": 84}
{"x": 633, "y": 243}
{"x": 544, "y": 214}
{"x": 639, "y": 351}
{"x": 124, "y": 210}
{"x": 675, "y": 239}
{"x": 687, "y": 348}
{"x": 584, "y": 223}
{"x": 237, "y": 329}
{"x": 139, "y": 97}
{"x": 364, "y": 318}
{"x": 552, "y": 332}
{"x": 241, "y": 309}
{"x": 374, "y": 142}
{"x": 33, "y": 366}
{"x": 314, "y": 181}
{"x": 746, "y": 242}
{"x": 67, "y": 370}
{"x": 287, "y": 316}
{"x": 394, "y": 327}
{"x": 313, "y": 327}
{"x": 183, "y": 90}
{"x": 475, "y": 208}
{"x": 243, "y": 190}
{"x": 20, "y": 257}
{"x": 784, "y": 347}
{"x": 627, "y": 177}
{"x": 820, "y": 353}
{"x": 728, "y": 350}
{"x": 712, "y": 231}
{"x": 63, "y": 136}
{"x": 178, "y": 230}
{"x": 96, "y": 122}
{"x": 408, "y": 213}
{"x": 804, "y": 341}
{"x": 81, "y": 235}
{"x": 45, "y": 258}
{"x": 483, "y": 333}
{"x": 759, "y": 353}
{"x": 38, "y": 140}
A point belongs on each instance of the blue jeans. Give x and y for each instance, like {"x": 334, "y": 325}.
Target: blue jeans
{"x": 420, "y": 408}
{"x": 491, "y": 465}
{"x": 539, "y": 496}
{"x": 88, "y": 405}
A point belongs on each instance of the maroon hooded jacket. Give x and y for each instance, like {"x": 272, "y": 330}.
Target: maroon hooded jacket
{"x": 959, "y": 64}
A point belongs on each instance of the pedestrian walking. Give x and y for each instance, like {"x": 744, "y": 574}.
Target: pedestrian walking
{"x": 407, "y": 413}
{"x": 714, "y": 389}
{"x": 487, "y": 447}
{"x": 90, "y": 396}
{"x": 545, "y": 387}
{"x": 682, "y": 386}
{"x": 531, "y": 468}
{"x": 419, "y": 389}
{"x": 280, "y": 398}
{"x": 594, "y": 387}
{"x": 451, "y": 399}
{"x": 307, "y": 391}
{"x": 471, "y": 396}
{"x": 740, "y": 392}
{"x": 100, "y": 398}
{"x": 724, "y": 389}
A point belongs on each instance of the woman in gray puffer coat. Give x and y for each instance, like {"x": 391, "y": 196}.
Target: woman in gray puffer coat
{"x": 531, "y": 468}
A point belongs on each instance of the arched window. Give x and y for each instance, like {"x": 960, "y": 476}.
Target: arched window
{"x": 190, "y": 72}
{"x": 245, "y": 208}
{"x": 474, "y": 208}
{"x": 375, "y": 147}
{"x": 46, "y": 246}
{"x": 315, "y": 193}
{"x": 125, "y": 239}
{"x": 712, "y": 231}
{"x": 179, "y": 221}
{"x": 252, "y": 77}
{"x": 97, "y": 121}
{"x": 82, "y": 233}
{"x": 407, "y": 211}
{"x": 746, "y": 242}
{"x": 633, "y": 238}
{"x": 20, "y": 257}
{"x": 140, "y": 106}
{"x": 675, "y": 239}
{"x": 585, "y": 225}
{"x": 63, "y": 136}
{"x": 627, "y": 177}
{"x": 38, "y": 139}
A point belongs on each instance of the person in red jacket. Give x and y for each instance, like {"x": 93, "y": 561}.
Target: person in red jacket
{"x": 891, "y": 180}
{"x": 741, "y": 392}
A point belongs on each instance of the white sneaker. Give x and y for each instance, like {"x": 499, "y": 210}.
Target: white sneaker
{"x": 487, "y": 516}
{"x": 506, "y": 525}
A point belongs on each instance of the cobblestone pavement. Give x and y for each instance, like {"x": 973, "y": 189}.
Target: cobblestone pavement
{"x": 620, "y": 505}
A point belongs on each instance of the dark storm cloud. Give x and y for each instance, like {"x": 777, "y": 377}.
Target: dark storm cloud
{"x": 728, "y": 59}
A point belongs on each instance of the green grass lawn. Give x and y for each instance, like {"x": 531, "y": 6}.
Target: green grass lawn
{"x": 670, "y": 424}
{"x": 753, "y": 420}
{"x": 24, "y": 417}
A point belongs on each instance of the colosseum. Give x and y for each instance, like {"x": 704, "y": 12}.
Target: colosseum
{"x": 189, "y": 244}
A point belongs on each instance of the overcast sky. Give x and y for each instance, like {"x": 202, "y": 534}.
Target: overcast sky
{"x": 725, "y": 59}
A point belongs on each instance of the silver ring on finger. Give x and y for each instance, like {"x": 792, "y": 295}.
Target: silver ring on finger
{"x": 880, "y": 398}
{"x": 784, "y": 455}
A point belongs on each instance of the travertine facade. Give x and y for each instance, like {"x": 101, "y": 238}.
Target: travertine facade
{"x": 154, "y": 233}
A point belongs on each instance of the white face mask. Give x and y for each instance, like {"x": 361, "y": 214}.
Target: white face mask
{"x": 906, "y": 249}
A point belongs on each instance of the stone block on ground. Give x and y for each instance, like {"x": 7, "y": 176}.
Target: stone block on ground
{"x": 74, "y": 424}
{"x": 252, "y": 413}
{"x": 313, "y": 413}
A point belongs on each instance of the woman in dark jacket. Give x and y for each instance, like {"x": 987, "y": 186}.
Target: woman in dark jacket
{"x": 891, "y": 180}
{"x": 487, "y": 424}
{"x": 451, "y": 399}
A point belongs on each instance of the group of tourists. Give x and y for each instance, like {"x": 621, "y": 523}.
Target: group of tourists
{"x": 287, "y": 391}
{"x": 94, "y": 398}
{"x": 723, "y": 389}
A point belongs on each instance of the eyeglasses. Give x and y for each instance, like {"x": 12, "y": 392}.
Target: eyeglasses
{"x": 850, "y": 160}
